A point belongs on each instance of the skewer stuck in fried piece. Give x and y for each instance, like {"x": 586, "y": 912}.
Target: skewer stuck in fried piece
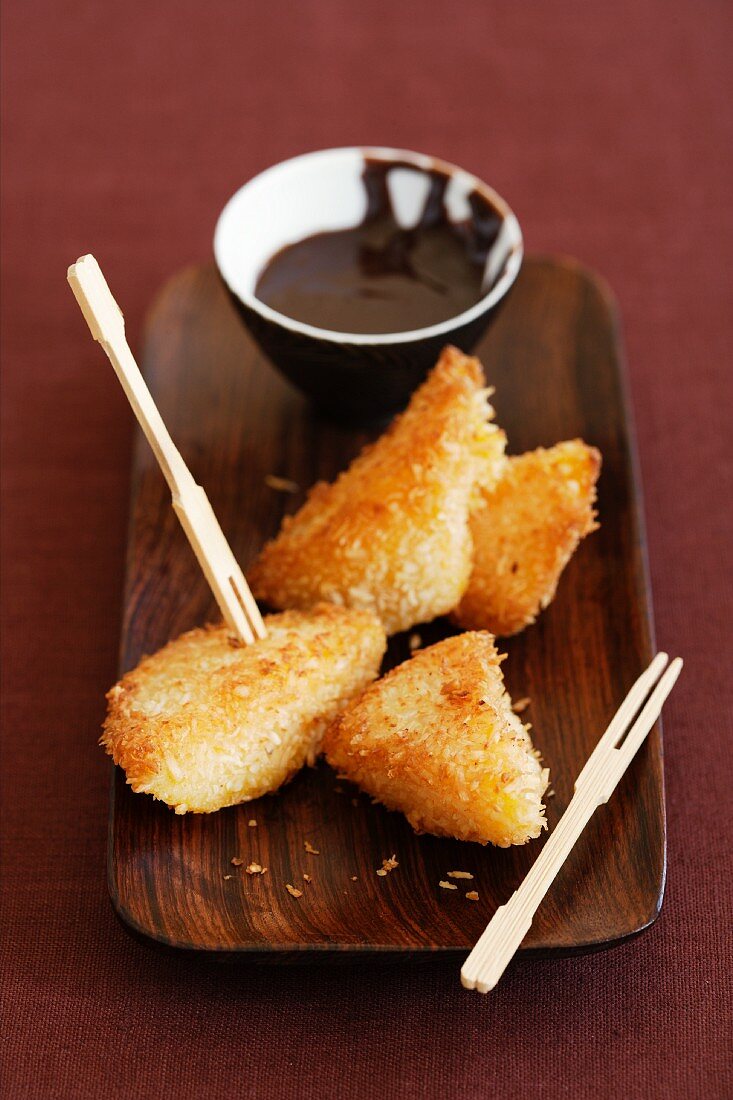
{"x": 437, "y": 739}
{"x": 525, "y": 530}
{"x": 391, "y": 533}
{"x": 206, "y": 723}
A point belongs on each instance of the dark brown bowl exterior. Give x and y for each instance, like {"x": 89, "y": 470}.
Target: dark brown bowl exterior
{"x": 358, "y": 383}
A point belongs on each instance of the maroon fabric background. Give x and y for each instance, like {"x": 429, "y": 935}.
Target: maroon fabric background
{"x": 608, "y": 126}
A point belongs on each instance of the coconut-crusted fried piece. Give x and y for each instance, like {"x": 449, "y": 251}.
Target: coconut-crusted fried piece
{"x": 437, "y": 739}
{"x": 525, "y": 530}
{"x": 391, "y": 533}
{"x": 206, "y": 722}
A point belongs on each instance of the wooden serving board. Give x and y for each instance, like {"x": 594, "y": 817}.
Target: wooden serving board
{"x": 553, "y": 356}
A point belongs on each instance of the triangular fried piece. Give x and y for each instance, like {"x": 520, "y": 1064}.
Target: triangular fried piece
{"x": 391, "y": 533}
{"x": 525, "y": 530}
{"x": 437, "y": 739}
{"x": 206, "y": 722}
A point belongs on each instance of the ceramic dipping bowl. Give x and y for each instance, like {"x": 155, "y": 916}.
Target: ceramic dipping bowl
{"x": 351, "y": 375}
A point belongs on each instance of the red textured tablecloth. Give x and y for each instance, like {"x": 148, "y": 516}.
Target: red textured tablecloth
{"x": 608, "y": 126}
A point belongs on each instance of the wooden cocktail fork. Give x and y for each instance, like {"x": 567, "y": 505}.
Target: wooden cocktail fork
{"x": 107, "y": 325}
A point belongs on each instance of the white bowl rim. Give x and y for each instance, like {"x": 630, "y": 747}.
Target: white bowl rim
{"x": 443, "y": 328}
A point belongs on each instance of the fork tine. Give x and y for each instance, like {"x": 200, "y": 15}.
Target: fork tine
{"x": 634, "y": 701}
{"x": 247, "y": 602}
{"x": 650, "y": 713}
{"x": 621, "y": 720}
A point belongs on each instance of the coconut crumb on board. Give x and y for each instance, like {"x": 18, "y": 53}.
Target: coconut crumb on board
{"x": 236, "y": 861}
{"x": 459, "y": 874}
{"x": 281, "y": 484}
{"x": 292, "y": 891}
{"x": 447, "y": 885}
{"x": 521, "y": 704}
{"x": 255, "y": 869}
{"x": 414, "y": 641}
{"x": 387, "y": 866}
{"x": 472, "y": 895}
{"x": 310, "y": 849}
{"x": 252, "y": 823}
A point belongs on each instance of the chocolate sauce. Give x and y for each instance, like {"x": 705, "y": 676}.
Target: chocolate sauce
{"x": 379, "y": 277}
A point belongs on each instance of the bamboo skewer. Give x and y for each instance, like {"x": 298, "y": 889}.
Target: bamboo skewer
{"x": 191, "y": 505}
{"x": 594, "y": 786}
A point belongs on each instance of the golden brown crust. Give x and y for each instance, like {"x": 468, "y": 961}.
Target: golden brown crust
{"x": 525, "y": 530}
{"x": 206, "y": 723}
{"x": 437, "y": 739}
{"x": 391, "y": 533}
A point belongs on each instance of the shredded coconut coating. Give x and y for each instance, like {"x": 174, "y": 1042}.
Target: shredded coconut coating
{"x": 525, "y": 530}
{"x": 392, "y": 533}
{"x": 204, "y": 723}
{"x": 437, "y": 739}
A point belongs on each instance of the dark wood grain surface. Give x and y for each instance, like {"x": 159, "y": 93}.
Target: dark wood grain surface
{"x": 553, "y": 356}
